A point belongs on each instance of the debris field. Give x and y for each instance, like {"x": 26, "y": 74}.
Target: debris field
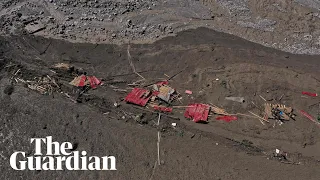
{"x": 202, "y": 96}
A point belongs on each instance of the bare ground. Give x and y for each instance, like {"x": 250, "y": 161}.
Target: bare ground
{"x": 241, "y": 149}
{"x": 291, "y": 26}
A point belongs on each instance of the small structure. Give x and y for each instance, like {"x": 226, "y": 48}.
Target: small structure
{"x": 139, "y": 96}
{"x": 83, "y": 80}
{"x": 278, "y": 111}
{"x": 197, "y": 112}
{"x": 94, "y": 81}
{"x": 79, "y": 81}
{"x": 165, "y": 93}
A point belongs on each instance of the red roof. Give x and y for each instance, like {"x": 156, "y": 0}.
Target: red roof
{"x": 94, "y": 81}
{"x": 138, "y": 96}
{"x": 227, "y": 118}
{"x": 197, "y": 112}
{"x": 161, "y": 83}
{"x": 82, "y": 81}
{"x": 162, "y": 108}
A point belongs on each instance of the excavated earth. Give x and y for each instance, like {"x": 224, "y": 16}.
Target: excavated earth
{"x": 211, "y": 64}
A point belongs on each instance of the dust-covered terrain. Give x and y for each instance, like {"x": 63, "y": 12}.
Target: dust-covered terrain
{"x": 292, "y": 26}
{"x": 242, "y": 149}
{"x": 213, "y": 48}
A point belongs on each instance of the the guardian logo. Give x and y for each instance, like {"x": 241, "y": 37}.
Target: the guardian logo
{"x": 59, "y": 157}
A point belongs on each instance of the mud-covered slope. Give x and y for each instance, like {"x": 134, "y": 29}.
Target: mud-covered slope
{"x": 241, "y": 149}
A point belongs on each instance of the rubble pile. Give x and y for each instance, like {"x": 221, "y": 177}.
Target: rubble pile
{"x": 44, "y": 85}
{"x": 159, "y": 96}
